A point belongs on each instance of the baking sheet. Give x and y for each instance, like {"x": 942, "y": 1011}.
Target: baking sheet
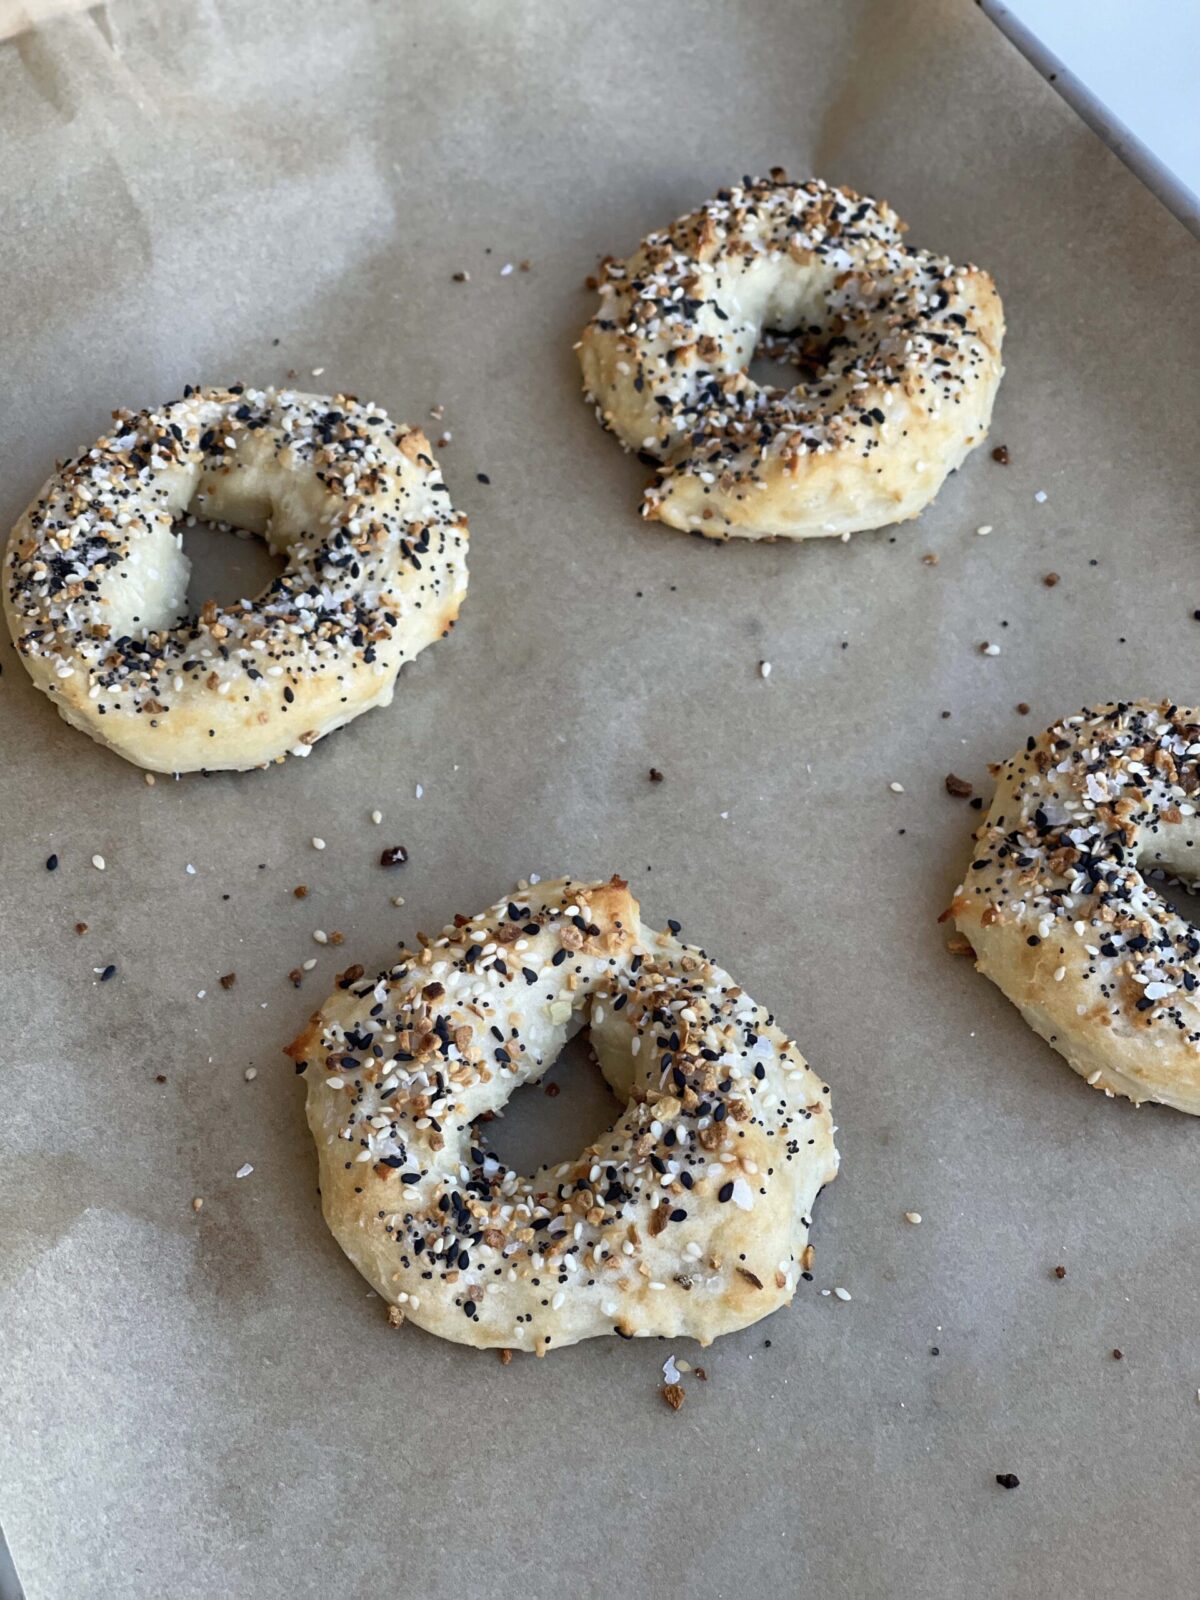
{"x": 205, "y": 1403}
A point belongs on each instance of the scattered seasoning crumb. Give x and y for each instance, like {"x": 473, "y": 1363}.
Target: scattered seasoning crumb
{"x": 300, "y": 891}
{"x": 81, "y": 927}
{"x": 1040, "y": 496}
{"x": 912, "y": 1216}
{"x": 250, "y": 1074}
{"x": 198, "y": 1203}
{"x": 1000, "y": 454}
{"x": 377, "y": 817}
{"x": 228, "y": 980}
{"x": 318, "y": 844}
{"x": 419, "y": 791}
{"x": 296, "y": 977}
{"x": 959, "y": 787}
{"x": 149, "y": 778}
{"x": 1050, "y": 579}
{"x": 959, "y": 945}
{"x": 1008, "y": 1480}
{"x": 1023, "y": 708}
{"x": 244, "y": 1170}
{"x": 190, "y": 870}
{"x": 896, "y": 788}
{"x": 842, "y": 1294}
{"x": 395, "y": 1317}
{"x": 397, "y": 899}
{"x": 986, "y": 649}
{"x": 99, "y": 863}
{"x": 505, "y": 1357}
{"x": 764, "y": 669}
{"x": 320, "y": 936}
{"x": 1060, "y": 1272}
{"x": 552, "y": 1091}
{"x": 506, "y": 269}
{"x": 1118, "y": 1355}
{"x": 984, "y": 530}
{"x": 701, "y": 1374}
{"x": 462, "y": 277}
{"x": 336, "y": 938}
{"x": 160, "y": 1077}
{"x": 655, "y": 775}
{"x": 108, "y": 972}
{"x": 673, "y": 1394}
{"x": 670, "y": 1371}
{"x": 394, "y": 856}
{"x": 930, "y": 558}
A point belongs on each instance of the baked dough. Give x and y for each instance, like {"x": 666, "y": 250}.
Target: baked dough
{"x": 1061, "y": 909}
{"x": 904, "y": 363}
{"x": 689, "y": 1217}
{"x": 96, "y": 577}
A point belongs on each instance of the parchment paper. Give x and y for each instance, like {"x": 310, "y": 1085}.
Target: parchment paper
{"x": 199, "y": 1404}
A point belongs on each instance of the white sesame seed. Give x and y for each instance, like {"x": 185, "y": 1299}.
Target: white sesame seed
{"x": 984, "y": 531}
{"x": 397, "y": 899}
{"x": 335, "y": 1083}
{"x": 320, "y": 936}
{"x": 309, "y": 964}
{"x": 318, "y": 844}
{"x": 150, "y": 779}
{"x": 912, "y": 1216}
{"x": 420, "y": 790}
{"x": 250, "y": 1074}
{"x": 377, "y": 816}
{"x": 896, "y": 788}
{"x": 842, "y": 1294}
{"x": 317, "y": 371}
{"x": 764, "y": 669}
{"x": 506, "y": 269}
{"x": 98, "y": 863}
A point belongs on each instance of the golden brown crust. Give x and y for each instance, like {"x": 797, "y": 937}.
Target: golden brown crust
{"x": 95, "y": 577}
{"x": 901, "y": 349}
{"x": 1062, "y": 914}
{"x": 689, "y": 1217}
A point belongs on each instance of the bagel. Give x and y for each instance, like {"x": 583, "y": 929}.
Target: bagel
{"x": 1062, "y": 915}
{"x": 688, "y": 1217}
{"x": 902, "y": 362}
{"x": 96, "y": 577}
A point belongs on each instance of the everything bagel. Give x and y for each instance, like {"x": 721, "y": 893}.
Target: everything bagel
{"x": 96, "y": 577}
{"x": 690, "y": 1216}
{"x": 1062, "y": 915}
{"x": 903, "y": 367}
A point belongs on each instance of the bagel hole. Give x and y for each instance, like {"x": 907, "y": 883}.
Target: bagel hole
{"x": 1180, "y": 894}
{"x": 227, "y": 564}
{"x": 537, "y": 1129}
{"x": 784, "y": 357}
